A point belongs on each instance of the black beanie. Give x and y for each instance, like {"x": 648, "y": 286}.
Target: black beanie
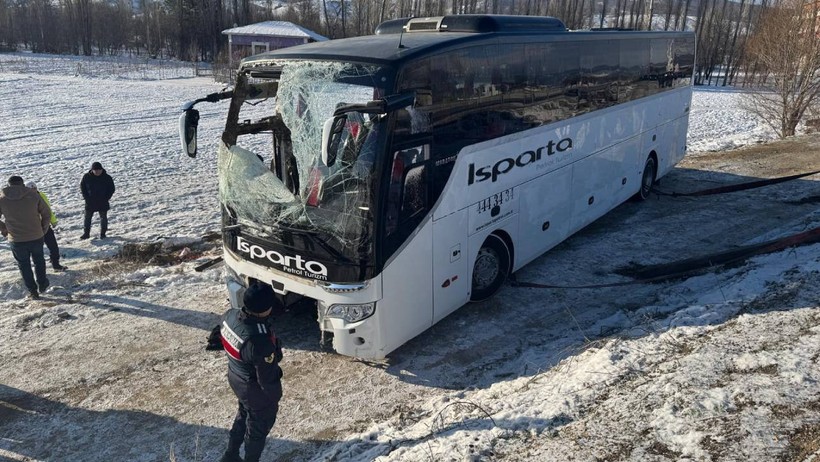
{"x": 15, "y": 180}
{"x": 258, "y": 298}
{"x": 96, "y": 166}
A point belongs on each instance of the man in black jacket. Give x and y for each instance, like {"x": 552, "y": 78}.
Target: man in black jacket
{"x": 97, "y": 188}
{"x": 253, "y": 353}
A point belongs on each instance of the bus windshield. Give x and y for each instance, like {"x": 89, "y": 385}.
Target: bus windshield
{"x": 281, "y": 183}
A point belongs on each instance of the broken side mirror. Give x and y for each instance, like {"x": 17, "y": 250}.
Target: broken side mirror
{"x": 188, "y": 122}
{"x": 331, "y": 137}
{"x": 379, "y": 106}
{"x": 399, "y": 101}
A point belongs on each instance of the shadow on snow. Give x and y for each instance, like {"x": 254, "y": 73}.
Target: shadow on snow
{"x": 36, "y": 428}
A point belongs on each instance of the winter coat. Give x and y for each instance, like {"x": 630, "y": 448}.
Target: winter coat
{"x": 25, "y": 212}
{"x": 97, "y": 191}
{"x": 253, "y": 351}
{"x": 53, "y": 217}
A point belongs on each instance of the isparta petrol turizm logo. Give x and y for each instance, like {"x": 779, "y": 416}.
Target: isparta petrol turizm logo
{"x": 291, "y": 264}
{"x": 492, "y": 172}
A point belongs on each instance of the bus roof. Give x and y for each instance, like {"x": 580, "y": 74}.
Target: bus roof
{"x": 377, "y": 49}
{"x": 392, "y": 47}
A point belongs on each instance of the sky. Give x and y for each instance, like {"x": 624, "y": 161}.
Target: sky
{"x": 110, "y": 365}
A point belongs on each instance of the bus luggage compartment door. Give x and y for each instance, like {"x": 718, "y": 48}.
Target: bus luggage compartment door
{"x": 602, "y": 181}
{"x": 546, "y": 211}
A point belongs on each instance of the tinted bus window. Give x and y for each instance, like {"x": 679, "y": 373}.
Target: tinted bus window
{"x": 660, "y": 62}
{"x": 554, "y": 77}
{"x": 684, "y": 61}
{"x": 634, "y": 59}
{"x": 408, "y": 194}
{"x": 599, "y": 75}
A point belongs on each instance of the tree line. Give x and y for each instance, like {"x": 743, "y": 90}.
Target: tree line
{"x": 191, "y": 29}
{"x": 730, "y": 33}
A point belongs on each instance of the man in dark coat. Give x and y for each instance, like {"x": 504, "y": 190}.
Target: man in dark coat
{"x": 97, "y": 188}
{"x": 254, "y": 375}
{"x": 26, "y": 217}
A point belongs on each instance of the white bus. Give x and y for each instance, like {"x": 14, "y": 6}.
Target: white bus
{"x": 390, "y": 179}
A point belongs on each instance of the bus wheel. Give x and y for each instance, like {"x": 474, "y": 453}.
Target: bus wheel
{"x": 492, "y": 265}
{"x": 650, "y": 171}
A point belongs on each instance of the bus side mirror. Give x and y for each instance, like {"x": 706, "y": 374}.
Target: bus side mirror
{"x": 331, "y": 137}
{"x": 394, "y": 102}
{"x": 188, "y": 122}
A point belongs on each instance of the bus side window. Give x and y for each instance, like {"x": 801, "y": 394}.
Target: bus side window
{"x": 415, "y": 191}
{"x": 408, "y": 190}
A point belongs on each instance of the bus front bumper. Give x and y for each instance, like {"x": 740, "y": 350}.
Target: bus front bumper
{"x": 352, "y": 337}
{"x": 354, "y": 324}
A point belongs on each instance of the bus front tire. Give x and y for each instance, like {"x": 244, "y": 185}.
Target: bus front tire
{"x": 492, "y": 265}
{"x": 650, "y": 172}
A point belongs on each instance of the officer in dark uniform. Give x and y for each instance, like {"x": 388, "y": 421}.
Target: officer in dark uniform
{"x": 253, "y": 353}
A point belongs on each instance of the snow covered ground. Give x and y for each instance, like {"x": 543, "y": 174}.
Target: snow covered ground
{"x": 110, "y": 365}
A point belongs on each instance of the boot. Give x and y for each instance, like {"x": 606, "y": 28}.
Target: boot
{"x": 253, "y": 450}
{"x": 231, "y": 457}
{"x": 85, "y": 235}
{"x": 232, "y": 452}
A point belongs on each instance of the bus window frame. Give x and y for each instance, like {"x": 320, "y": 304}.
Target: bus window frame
{"x": 397, "y": 231}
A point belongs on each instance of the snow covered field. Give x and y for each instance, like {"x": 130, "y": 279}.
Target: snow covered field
{"x": 110, "y": 365}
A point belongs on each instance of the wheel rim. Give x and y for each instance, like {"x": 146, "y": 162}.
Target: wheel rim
{"x": 486, "y": 269}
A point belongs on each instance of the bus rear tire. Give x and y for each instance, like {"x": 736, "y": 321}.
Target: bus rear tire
{"x": 650, "y": 172}
{"x": 491, "y": 267}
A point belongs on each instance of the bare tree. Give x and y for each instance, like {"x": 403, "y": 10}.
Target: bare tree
{"x": 732, "y": 51}
{"x": 112, "y": 33}
{"x": 786, "y": 48}
{"x": 682, "y": 15}
{"x": 85, "y": 22}
{"x": 191, "y": 29}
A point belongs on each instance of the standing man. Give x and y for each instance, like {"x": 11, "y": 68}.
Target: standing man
{"x": 97, "y": 188}
{"x": 26, "y": 221}
{"x": 50, "y": 239}
{"x": 253, "y": 353}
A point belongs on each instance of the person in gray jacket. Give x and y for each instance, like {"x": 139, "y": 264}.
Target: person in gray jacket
{"x": 24, "y": 220}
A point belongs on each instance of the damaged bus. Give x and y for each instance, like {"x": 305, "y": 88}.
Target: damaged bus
{"x": 388, "y": 180}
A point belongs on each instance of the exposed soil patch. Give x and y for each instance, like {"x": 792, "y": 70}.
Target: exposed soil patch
{"x": 792, "y": 156}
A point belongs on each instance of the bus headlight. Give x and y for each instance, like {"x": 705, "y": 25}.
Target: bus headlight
{"x": 351, "y": 313}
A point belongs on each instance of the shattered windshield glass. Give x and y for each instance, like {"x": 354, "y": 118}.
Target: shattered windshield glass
{"x": 273, "y": 178}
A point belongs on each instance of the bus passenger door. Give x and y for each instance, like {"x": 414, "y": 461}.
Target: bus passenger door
{"x": 407, "y": 305}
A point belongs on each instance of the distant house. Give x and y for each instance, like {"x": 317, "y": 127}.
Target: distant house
{"x": 266, "y": 36}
